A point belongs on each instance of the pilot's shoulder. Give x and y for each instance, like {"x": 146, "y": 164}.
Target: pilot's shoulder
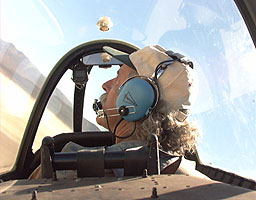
{"x": 187, "y": 167}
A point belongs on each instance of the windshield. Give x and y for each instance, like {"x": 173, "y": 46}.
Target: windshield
{"x": 36, "y": 34}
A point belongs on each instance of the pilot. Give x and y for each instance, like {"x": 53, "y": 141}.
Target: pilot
{"x": 172, "y": 77}
{"x": 151, "y": 93}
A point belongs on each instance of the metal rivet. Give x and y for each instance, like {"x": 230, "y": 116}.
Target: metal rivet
{"x": 34, "y": 195}
{"x": 154, "y": 193}
{"x": 145, "y": 173}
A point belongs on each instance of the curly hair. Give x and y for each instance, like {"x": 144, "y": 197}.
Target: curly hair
{"x": 174, "y": 136}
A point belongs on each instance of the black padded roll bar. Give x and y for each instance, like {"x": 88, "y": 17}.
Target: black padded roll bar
{"x": 91, "y": 163}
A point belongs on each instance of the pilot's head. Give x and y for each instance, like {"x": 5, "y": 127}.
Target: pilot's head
{"x": 151, "y": 94}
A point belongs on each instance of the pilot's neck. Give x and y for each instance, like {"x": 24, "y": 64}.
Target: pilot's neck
{"x": 125, "y": 129}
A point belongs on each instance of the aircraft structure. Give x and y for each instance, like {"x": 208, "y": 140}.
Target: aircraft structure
{"x": 56, "y": 118}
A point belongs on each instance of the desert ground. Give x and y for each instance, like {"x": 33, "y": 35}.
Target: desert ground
{"x": 15, "y": 108}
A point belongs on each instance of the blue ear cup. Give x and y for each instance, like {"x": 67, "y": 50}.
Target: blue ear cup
{"x": 138, "y": 96}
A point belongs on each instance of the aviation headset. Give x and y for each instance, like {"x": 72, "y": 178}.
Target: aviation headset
{"x": 137, "y": 98}
{"x": 139, "y": 95}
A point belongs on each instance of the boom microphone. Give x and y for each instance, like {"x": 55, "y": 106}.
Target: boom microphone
{"x": 121, "y": 111}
